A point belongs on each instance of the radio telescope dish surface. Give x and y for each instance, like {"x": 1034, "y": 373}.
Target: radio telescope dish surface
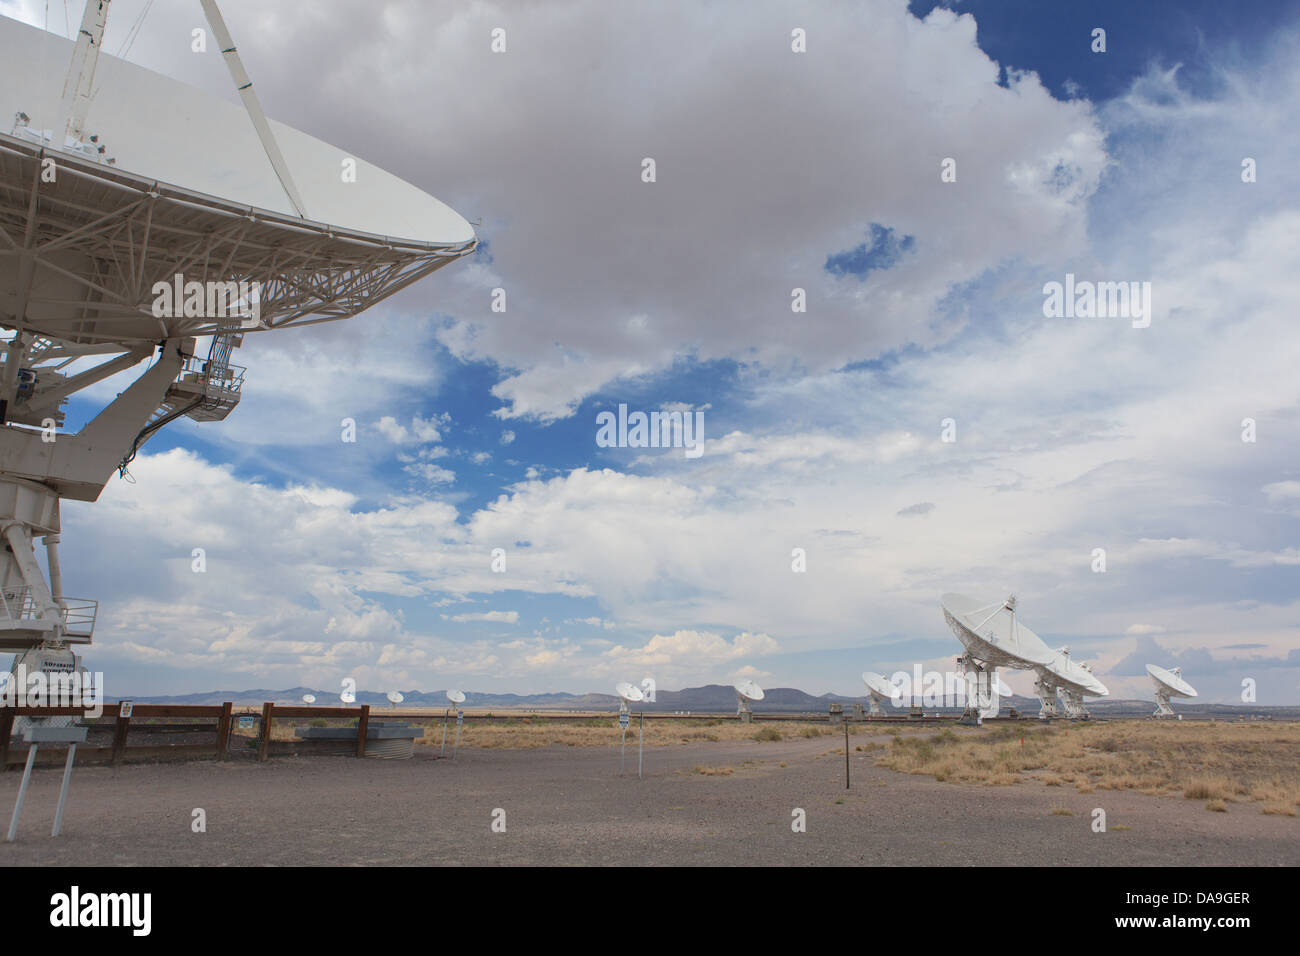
{"x": 456, "y": 696}
{"x": 149, "y": 213}
{"x": 309, "y": 698}
{"x": 749, "y": 690}
{"x": 877, "y": 684}
{"x": 1169, "y": 683}
{"x": 629, "y": 692}
{"x": 1172, "y": 680}
{"x": 395, "y": 697}
{"x": 190, "y": 186}
{"x": 1071, "y": 681}
{"x": 170, "y": 132}
{"x": 880, "y": 689}
{"x": 991, "y": 634}
{"x": 1064, "y": 672}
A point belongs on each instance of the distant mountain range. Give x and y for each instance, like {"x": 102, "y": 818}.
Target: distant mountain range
{"x": 709, "y": 699}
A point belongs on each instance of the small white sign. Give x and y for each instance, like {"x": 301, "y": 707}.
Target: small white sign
{"x": 623, "y": 720}
{"x": 246, "y": 723}
{"x": 125, "y": 708}
{"x": 460, "y": 717}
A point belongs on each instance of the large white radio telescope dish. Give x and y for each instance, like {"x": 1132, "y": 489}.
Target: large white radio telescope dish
{"x": 1071, "y": 681}
{"x": 1171, "y": 680}
{"x": 191, "y": 166}
{"x": 880, "y": 690}
{"x": 1066, "y": 673}
{"x": 1169, "y": 683}
{"x": 993, "y": 637}
{"x": 877, "y": 684}
{"x": 630, "y": 693}
{"x": 137, "y": 214}
{"x": 991, "y": 634}
{"x": 746, "y": 691}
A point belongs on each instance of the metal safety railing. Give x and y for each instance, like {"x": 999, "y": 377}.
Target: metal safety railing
{"x": 20, "y": 611}
{"x": 206, "y": 389}
{"x": 220, "y": 379}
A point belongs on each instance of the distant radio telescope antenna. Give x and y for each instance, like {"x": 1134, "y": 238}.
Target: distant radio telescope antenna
{"x": 309, "y": 698}
{"x": 395, "y": 697}
{"x": 457, "y": 697}
{"x": 880, "y": 689}
{"x": 1169, "y": 683}
{"x": 992, "y": 637}
{"x": 1071, "y": 681}
{"x": 138, "y": 214}
{"x": 628, "y": 694}
{"x": 746, "y": 691}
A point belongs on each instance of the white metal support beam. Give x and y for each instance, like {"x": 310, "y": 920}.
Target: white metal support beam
{"x": 79, "y": 88}
{"x": 251, "y": 103}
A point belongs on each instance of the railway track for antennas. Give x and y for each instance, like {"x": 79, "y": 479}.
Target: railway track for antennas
{"x": 928, "y": 719}
{"x": 382, "y": 714}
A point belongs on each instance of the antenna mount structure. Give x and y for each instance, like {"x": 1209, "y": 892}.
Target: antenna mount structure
{"x": 107, "y": 266}
{"x": 1168, "y": 683}
{"x": 993, "y": 637}
{"x": 746, "y": 691}
{"x": 879, "y": 689}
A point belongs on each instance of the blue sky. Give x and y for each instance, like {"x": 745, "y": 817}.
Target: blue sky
{"x": 776, "y": 171}
{"x": 1044, "y": 37}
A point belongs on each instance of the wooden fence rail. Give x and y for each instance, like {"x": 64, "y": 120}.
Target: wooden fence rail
{"x": 110, "y": 716}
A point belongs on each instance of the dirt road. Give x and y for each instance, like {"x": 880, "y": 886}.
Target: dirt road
{"x": 569, "y": 805}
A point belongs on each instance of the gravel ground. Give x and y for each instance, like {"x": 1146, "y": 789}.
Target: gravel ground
{"x": 569, "y": 805}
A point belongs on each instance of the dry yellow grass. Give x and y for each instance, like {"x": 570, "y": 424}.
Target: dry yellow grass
{"x": 715, "y": 771}
{"x": 526, "y": 733}
{"x": 1217, "y": 762}
{"x": 1209, "y": 788}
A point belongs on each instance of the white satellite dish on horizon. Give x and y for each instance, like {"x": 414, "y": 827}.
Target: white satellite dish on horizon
{"x": 395, "y": 697}
{"x": 456, "y": 697}
{"x": 746, "y": 691}
{"x": 170, "y": 217}
{"x": 628, "y": 694}
{"x": 880, "y": 689}
{"x": 1072, "y": 681}
{"x": 1169, "y": 683}
{"x": 993, "y": 638}
{"x": 309, "y": 698}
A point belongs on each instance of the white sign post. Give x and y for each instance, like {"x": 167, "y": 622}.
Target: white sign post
{"x": 623, "y": 719}
{"x": 35, "y": 737}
